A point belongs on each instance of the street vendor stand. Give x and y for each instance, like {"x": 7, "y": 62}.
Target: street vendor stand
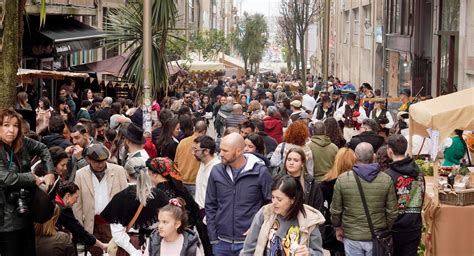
{"x": 448, "y": 227}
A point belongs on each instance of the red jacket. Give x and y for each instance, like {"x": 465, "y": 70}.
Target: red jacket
{"x": 274, "y": 128}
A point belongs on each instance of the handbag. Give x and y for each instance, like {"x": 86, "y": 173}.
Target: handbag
{"x": 113, "y": 249}
{"x": 382, "y": 240}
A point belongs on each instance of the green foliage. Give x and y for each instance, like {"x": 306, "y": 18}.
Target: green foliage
{"x": 125, "y": 28}
{"x": 251, "y": 38}
{"x": 209, "y": 43}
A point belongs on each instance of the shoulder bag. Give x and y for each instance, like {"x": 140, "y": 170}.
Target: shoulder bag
{"x": 113, "y": 249}
{"x": 382, "y": 240}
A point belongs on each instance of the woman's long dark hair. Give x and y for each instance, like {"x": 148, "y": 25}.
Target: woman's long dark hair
{"x": 258, "y": 142}
{"x": 292, "y": 189}
{"x": 459, "y": 133}
{"x": 334, "y": 132}
{"x": 166, "y": 135}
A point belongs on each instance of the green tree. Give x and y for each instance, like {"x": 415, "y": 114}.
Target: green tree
{"x": 250, "y": 39}
{"x": 209, "y": 43}
{"x": 125, "y": 27}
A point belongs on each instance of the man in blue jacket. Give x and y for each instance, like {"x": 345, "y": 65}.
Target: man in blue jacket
{"x": 236, "y": 190}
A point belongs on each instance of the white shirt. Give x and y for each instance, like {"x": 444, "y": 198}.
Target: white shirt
{"x": 101, "y": 193}
{"x": 308, "y": 102}
{"x": 143, "y": 154}
{"x": 202, "y": 179}
{"x": 377, "y": 112}
{"x": 341, "y": 111}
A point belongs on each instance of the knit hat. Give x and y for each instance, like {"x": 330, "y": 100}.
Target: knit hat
{"x": 163, "y": 166}
{"x": 296, "y": 104}
{"x": 406, "y": 92}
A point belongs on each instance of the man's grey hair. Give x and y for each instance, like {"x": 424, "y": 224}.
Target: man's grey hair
{"x": 319, "y": 128}
{"x": 364, "y": 153}
{"x": 272, "y": 110}
{"x": 237, "y": 108}
{"x": 371, "y": 124}
{"x": 108, "y": 101}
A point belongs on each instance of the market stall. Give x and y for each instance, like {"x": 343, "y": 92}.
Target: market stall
{"x": 449, "y": 200}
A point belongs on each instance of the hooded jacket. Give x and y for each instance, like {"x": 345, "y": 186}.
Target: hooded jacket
{"x": 55, "y": 139}
{"x": 347, "y": 209}
{"x": 410, "y": 190}
{"x": 231, "y": 204}
{"x": 324, "y": 152}
{"x": 274, "y": 128}
{"x": 190, "y": 243}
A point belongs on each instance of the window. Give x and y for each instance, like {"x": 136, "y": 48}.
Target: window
{"x": 191, "y": 11}
{"x": 347, "y": 27}
{"x": 400, "y": 13}
{"x": 356, "y": 31}
{"x": 367, "y": 27}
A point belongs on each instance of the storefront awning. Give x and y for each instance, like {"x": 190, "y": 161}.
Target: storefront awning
{"x": 70, "y": 35}
{"x": 25, "y": 75}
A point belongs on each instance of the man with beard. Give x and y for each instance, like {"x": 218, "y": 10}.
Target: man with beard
{"x": 237, "y": 188}
{"x": 81, "y": 139}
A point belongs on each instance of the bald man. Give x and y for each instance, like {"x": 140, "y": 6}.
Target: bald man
{"x": 236, "y": 190}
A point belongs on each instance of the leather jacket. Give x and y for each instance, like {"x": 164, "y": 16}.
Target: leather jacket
{"x": 16, "y": 176}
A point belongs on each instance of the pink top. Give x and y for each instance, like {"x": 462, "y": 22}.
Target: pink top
{"x": 172, "y": 248}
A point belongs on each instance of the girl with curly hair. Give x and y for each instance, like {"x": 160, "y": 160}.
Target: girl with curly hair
{"x": 295, "y": 136}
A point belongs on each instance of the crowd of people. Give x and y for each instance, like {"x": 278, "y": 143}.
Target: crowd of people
{"x": 277, "y": 178}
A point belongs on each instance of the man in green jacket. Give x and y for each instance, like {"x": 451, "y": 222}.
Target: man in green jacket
{"x": 347, "y": 210}
{"x": 324, "y": 152}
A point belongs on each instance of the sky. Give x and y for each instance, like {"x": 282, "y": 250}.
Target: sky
{"x": 265, "y": 7}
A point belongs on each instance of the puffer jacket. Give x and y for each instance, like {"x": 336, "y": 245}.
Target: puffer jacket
{"x": 347, "y": 209}
{"x": 191, "y": 243}
{"x": 324, "y": 153}
{"x": 19, "y": 176}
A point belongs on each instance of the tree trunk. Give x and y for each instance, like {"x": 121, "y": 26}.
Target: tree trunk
{"x": 9, "y": 54}
{"x": 296, "y": 61}
{"x": 303, "y": 64}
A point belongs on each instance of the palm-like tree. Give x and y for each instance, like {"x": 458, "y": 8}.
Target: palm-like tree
{"x": 125, "y": 28}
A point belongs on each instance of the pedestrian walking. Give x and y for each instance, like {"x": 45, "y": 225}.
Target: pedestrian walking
{"x": 286, "y": 226}
{"x": 410, "y": 191}
{"x": 323, "y": 151}
{"x": 347, "y": 211}
{"x": 237, "y": 188}
{"x": 98, "y": 183}
{"x": 172, "y": 236}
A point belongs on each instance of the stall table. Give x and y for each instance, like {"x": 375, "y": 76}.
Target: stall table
{"x": 450, "y": 229}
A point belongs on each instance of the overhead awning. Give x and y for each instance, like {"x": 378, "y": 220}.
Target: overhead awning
{"x": 70, "y": 35}
{"x": 28, "y": 74}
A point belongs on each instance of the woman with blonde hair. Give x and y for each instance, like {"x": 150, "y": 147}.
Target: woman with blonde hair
{"x": 51, "y": 242}
{"x": 22, "y": 101}
{"x": 255, "y": 110}
{"x": 343, "y": 162}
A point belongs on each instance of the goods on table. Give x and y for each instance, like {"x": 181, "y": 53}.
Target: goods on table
{"x": 425, "y": 167}
{"x": 458, "y": 187}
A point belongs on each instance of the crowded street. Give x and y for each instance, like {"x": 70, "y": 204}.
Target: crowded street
{"x": 236, "y": 127}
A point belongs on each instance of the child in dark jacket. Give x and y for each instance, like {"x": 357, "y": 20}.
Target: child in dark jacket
{"x": 172, "y": 237}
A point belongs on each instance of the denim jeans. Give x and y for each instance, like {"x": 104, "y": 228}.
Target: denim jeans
{"x": 227, "y": 249}
{"x": 357, "y": 248}
{"x": 191, "y": 189}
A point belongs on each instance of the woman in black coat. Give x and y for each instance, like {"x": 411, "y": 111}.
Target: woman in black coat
{"x": 167, "y": 142}
{"x": 17, "y": 235}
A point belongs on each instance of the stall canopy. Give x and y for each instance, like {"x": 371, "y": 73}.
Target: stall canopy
{"x": 444, "y": 114}
{"x": 29, "y": 74}
{"x": 199, "y": 66}
{"x": 112, "y": 66}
